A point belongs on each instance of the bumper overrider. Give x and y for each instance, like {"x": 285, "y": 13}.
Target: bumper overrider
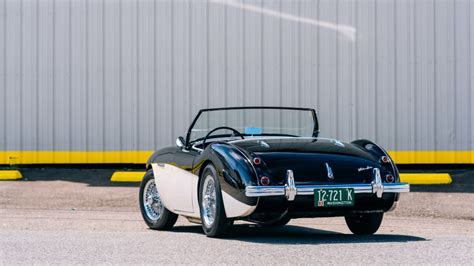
{"x": 290, "y": 190}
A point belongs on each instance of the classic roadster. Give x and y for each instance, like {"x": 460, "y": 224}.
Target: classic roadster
{"x": 266, "y": 165}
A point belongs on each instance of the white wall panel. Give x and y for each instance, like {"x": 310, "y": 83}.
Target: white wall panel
{"x": 13, "y": 60}
{"x": 366, "y": 67}
{"x": 123, "y": 75}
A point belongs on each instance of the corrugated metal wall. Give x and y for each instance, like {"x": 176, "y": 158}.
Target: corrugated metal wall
{"x": 110, "y": 75}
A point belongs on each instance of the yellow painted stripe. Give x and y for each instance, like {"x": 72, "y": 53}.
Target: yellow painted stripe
{"x": 127, "y": 176}
{"x": 10, "y": 175}
{"x": 426, "y": 179}
{"x": 433, "y": 157}
{"x": 140, "y": 157}
{"x": 73, "y": 157}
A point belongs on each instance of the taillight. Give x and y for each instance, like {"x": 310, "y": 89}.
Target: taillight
{"x": 385, "y": 159}
{"x": 257, "y": 161}
{"x": 389, "y": 178}
{"x": 264, "y": 180}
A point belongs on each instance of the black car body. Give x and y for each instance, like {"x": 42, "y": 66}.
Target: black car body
{"x": 266, "y": 175}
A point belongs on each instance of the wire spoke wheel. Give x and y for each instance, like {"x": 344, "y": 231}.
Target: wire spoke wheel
{"x": 209, "y": 201}
{"x": 151, "y": 201}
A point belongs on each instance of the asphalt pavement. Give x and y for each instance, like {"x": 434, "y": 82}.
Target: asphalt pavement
{"x": 74, "y": 219}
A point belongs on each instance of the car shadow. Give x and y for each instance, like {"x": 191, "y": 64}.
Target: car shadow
{"x": 94, "y": 177}
{"x": 297, "y": 235}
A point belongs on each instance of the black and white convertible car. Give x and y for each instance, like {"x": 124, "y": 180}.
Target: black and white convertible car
{"x": 267, "y": 165}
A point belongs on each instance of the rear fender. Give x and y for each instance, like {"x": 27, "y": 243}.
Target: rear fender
{"x": 235, "y": 173}
{"x": 378, "y": 152}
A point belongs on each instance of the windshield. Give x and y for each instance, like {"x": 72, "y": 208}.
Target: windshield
{"x": 254, "y": 121}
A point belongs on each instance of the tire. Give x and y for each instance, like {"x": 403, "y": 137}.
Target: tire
{"x": 211, "y": 206}
{"x": 154, "y": 213}
{"x": 364, "y": 224}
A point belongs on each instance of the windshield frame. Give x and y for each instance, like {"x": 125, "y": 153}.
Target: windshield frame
{"x": 193, "y": 123}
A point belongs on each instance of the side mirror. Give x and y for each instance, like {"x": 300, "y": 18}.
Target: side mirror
{"x": 180, "y": 142}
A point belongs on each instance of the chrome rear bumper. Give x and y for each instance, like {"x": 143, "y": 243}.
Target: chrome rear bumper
{"x": 290, "y": 190}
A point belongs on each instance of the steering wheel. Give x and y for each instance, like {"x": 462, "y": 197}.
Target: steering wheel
{"x": 220, "y": 128}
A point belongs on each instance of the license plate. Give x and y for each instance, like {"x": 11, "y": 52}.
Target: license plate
{"x": 329, "y": 197}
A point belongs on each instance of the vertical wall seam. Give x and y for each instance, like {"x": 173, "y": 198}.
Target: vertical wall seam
{"x": 120, "y": 75}
{"x": 87, "y": 77}
{"x": 280, "y": 58}
{"x": 471, "y": 74}
{"x": 415, "y": 78}
{"x": 435, "y": 65}
{"x": 173, "y": 124}
{"x": 244, "y": 80}
{"x": 262, "y": 67}
{"x": 455, "y": 79}
{"x": 299, "y": 63}
{"x": 20, "y": 100}
{"x": 376, "y": 105}
{"x": 155, "y": 59}
{"x": 226, "y": 62}
{"x": 190, "y": 56}
{"x": 354, "y": 62}
{"x": 37, "y": 76}
{"x": 137, "y": 75}
{"x": 207, "y": 53}
{"x": 5, "y": 73}
{"x": 318, "y": 72}
{"x": 338, "y": 105}
{"x": 54, "y": 144}
{"x": 104, "y": 99}
{"x": 244, "y": 60}
{"x": 70, "y": 75}
{"x": 395, "y": 78}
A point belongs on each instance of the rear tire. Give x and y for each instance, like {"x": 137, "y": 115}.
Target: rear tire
{"x": 153, "y": 211}
{"x": 211, "y": 206}
{"x": 364, "y": 224}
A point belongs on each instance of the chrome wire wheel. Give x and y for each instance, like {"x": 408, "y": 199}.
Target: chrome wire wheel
{"x": 151, "y": 201}
{"x": 208, "y": 204}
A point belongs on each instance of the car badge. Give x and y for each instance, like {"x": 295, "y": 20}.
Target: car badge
{"x": 330, "y": 173}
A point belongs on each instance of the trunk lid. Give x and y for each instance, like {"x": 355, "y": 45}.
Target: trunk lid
{"x": 312, "y": 160}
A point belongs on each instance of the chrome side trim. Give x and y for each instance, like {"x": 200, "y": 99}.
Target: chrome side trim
{"x": 290, "y": 190}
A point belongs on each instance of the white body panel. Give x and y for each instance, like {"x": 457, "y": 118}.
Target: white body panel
{"x": 234, "y": 208}
{"x": 179, "y": 193}
{"x": 177, "y": 188}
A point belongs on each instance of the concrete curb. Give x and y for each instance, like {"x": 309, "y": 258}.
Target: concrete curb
{"x": 426, "y": 178}
{"x": 127, "y": 177}
{"x": 10, "y": 175}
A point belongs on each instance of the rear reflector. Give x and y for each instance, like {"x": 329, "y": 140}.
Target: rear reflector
{"x": 265, "y": 181}
{"x": 385, "y": 159}
{"x": 257, "y": 161}
{"x": 389, "y": 178}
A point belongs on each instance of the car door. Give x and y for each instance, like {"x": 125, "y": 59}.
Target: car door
{"x": 175, "y": 182}
{"x": 188, "y": 182}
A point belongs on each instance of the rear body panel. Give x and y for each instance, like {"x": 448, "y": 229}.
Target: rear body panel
{"x": 314, "y": 161}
